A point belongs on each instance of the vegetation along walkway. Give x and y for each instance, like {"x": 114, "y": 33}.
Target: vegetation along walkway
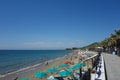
{"x": 112, "y": 63}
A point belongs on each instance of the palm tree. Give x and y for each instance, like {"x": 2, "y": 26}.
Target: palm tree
{"x": 111, "y": 42}
{"x": 104, "y": 44}
{"x": 117, "y": 33}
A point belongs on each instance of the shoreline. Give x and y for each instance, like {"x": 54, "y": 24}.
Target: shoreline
{"x": 30, "y": 69}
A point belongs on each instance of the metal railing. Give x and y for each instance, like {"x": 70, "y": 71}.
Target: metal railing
{"x": 95, "y": 61}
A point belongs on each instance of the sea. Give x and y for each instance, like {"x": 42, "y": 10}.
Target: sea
{"x": 12, "y": 60}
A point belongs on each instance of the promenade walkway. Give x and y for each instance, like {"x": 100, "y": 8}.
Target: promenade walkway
{"x": 112, "y": 63}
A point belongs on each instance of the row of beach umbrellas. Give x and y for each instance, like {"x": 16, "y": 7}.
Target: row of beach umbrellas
{"x": 62, "y": 73}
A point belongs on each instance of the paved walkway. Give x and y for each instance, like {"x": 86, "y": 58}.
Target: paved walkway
{"x": 112, "y": 63}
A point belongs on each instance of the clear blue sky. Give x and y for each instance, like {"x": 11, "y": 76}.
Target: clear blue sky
{"x": 56, "y": 24}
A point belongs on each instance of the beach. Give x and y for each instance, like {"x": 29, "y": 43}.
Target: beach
{"x": 51, "y": 65}
{"x": 28, "y": 72}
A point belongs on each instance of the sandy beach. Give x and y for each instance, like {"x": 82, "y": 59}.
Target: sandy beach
{"x": 50, "y": 65}
{"x": 29, "y": 71}
{"x": 42, "y": 67}
{"x": 73, "y": 58}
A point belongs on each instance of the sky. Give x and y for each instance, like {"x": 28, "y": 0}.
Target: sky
{"x": 56, "y": 24}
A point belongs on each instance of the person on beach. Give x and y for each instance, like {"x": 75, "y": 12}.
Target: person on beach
{"x": 47, "y": 63}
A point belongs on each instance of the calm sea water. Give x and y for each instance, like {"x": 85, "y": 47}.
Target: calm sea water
{"x": 11, "y": 60}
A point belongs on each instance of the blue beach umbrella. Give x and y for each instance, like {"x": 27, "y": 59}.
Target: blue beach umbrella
{"x": 40, "y": 74}
{"x": 24, "y": 79}
{"x": 52, "y": 70}
{"x": 69, "y": 69}
{"x": 78, "y": 65}
{"x": 64, "y": 65}
{"x": 57, "y": 67}
{"x": 65, "y": 73}
{"x": 83, "y": 64}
